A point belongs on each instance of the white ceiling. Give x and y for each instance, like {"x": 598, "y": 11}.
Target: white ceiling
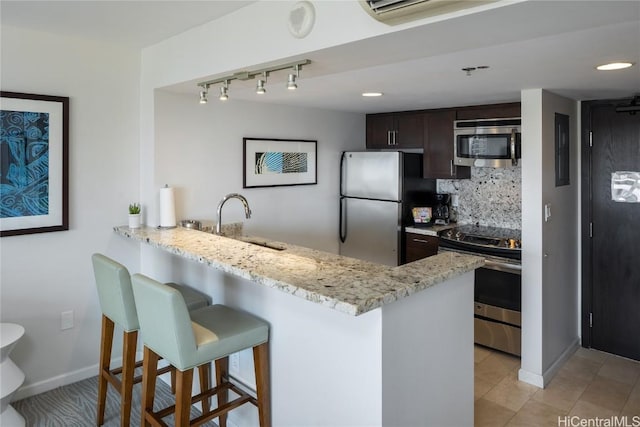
{"x": 131, "y": 23}
{"x": 534, "y": 44}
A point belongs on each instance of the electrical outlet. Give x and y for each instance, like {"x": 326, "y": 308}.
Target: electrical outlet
{"x": 234, "y": 362}
{"x": 66, "y": 320}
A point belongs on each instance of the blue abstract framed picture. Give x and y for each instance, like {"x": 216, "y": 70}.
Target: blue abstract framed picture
{"x": 277, "y": 162}
{"x": 34, "y": 169}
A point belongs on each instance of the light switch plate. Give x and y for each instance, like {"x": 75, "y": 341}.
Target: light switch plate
{"x": 66, "y": 320}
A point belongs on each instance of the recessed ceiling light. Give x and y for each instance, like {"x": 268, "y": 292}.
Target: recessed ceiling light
{"x": 371, "y": 94}
{"x": 614, "y": 66}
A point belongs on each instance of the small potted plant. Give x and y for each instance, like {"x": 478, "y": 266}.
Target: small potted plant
{"x": 134, "y": 215}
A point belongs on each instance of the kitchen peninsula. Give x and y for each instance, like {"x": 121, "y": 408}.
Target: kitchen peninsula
{"x": 352, "y": 343}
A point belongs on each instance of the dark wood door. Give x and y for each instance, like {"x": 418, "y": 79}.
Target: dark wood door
{"x": 394, "y": 130}
{"x": 410, "y": 130}
{"x": 438, "y": 146}
{"x": 615, "y": 245}
{"x": 419, "y": 246}
{"x": 378, "y": 128}
{"x": 491, "y": 111}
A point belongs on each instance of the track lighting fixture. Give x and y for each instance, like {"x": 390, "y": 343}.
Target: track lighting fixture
{"x": 224, "y": 89}
{"x": 247, "y": 75}
{"x": 203, "y": 94}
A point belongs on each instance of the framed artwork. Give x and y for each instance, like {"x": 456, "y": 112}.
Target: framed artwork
{"x": 34, "y": 163}
{"x": 278, "y": 162}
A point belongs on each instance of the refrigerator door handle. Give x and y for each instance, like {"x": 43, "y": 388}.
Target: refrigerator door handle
{"x": 342, "y": 173}
{"x": 342, "y": 226}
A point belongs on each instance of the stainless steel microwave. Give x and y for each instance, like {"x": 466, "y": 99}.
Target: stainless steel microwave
{"x": 487, "y": 142}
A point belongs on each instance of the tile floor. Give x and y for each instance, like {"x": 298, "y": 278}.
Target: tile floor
{"x": 591, "y": 384}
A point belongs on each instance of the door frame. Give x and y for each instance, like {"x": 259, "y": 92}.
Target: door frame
{"x": 586, "y": 213}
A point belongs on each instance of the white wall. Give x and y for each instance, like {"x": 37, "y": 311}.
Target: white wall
{"x": 45, "y": 274}
{"x": 199, "y": 152}
{"x": 550, "y": 261}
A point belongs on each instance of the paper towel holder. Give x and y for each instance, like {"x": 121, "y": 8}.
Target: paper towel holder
{"x": 167, "y": 208}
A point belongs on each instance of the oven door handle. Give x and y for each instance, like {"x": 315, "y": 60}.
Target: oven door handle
{"x": 503, "y": 266}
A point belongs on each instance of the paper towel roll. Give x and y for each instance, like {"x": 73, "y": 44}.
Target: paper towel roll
{"x": 167, "y": 207}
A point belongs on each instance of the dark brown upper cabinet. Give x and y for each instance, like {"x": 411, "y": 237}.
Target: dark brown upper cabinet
{"x": 395, "y": 130}
{"x": 490, "y": 111}
{"x": 438, "y": 146}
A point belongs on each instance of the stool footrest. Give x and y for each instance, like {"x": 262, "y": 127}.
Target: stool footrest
{"x": 243, "y": 398}
{"x": 114, "y": 381}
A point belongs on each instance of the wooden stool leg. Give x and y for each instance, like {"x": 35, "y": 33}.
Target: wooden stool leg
{"x": 261, "y": 366}
{"x": 204, "y": 372}
{"x": 106, "y": 343}
{"x": 130, "y": 341}
{"x": 184, "y": 384}
{"x": 222, "y": 373}
{"x": 173, "y": 380}
{"x": 149, "y": 375}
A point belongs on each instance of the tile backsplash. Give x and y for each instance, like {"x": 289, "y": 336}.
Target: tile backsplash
{"x": 491, "y": 197}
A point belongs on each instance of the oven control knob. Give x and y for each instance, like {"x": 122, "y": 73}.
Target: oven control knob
{"x": 448, "y": 233}
{"x": 458, "y": 235}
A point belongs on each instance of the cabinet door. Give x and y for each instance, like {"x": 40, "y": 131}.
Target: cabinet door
{"x": 491, "y": 111}
{"x": 379, "y": 127}
{"x": 438, "y": 147}
{"x": 419, "y": 246}
{"x": 410, "y": 130}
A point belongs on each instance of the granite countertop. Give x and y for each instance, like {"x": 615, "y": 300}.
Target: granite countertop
{"x": 428, "y": 230}
{"x": 345, "y": 284}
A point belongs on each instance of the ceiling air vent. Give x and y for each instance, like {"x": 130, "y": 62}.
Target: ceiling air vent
{"x": 398, "y": 11}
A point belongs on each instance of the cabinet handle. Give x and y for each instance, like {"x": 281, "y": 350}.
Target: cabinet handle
{"x": 391, "y": 137}
{"x": 451, "y": 166}
{"x": 421, "y": 241}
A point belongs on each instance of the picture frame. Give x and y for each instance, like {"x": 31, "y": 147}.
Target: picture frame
{"x": 279, "y": 162}
{"x": 34, "y": 163}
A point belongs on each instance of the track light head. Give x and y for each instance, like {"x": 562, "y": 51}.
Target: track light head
{"x": 291, "y": 82}
{"x": 203, "y": 94}
{"x": 224, "y": 91}
{"x": 260, "y": 90}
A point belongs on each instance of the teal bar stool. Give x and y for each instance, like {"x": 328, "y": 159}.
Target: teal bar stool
{"x": 190, "y": 339}
{"x": 118, "y": 308}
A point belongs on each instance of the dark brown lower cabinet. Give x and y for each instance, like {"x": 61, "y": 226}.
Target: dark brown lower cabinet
{"x": 420, "y": 246}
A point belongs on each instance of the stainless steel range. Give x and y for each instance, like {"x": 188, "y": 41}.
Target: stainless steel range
{"x": 497, "y": 300}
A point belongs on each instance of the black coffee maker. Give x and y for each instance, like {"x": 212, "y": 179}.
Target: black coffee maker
{"x": 441, "y": 208}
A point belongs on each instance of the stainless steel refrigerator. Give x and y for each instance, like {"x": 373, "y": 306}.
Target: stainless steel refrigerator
{"x": 377, "y": 191}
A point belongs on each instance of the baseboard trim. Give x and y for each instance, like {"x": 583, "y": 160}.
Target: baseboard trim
{"x": 543, "y": 380}
{"x": 55, "y": 382}
{"x": 64, "y": 379}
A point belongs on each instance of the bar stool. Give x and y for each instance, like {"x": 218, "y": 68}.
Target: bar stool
{"x": 118, "y": 308}
{"x": 189, "y": 339}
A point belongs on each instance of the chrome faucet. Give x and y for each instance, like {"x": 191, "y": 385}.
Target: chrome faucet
{"x": 247, "y": 211}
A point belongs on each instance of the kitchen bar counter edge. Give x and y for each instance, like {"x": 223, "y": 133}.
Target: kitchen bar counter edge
{"x": 345, "y": 284}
